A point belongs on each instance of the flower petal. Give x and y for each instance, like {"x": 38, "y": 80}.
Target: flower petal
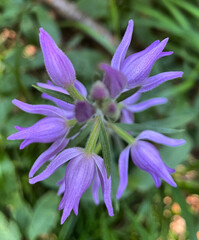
{"x": 141, "y": 67}
{"x": 121, "y": 50}
{"x": 165, "y": 54}
{"x": 55, "y": 148}
{"x": 132, "y": 99}
{"x": 57, "y": 162}
{"x": 43, "y": 109}
{"x": 154, "y": 81}
{"x": 146, "y": 157}
{"x": 146, "y": 104}
{"x": 156, "y": 179}
{"x": 105, "y": 183}
{"x": 160, "y": 138}
{"x": 80, "y": 87}
{"x": 130, "y": 59}
{"x": 79, "y": 176}
{"x": 126, "y": 116}
{"x": 61, "y": 185}
{"x": 114, "y": 80}
{"x": 58, "y": 65}
{"x": 46, "y": 130}
{"x": 95, "y": 188}
{"x": 123, "y": 171}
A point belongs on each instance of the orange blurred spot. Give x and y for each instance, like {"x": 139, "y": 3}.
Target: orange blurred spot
{"x": 29, "y": 51}
{"x": 178, "y": 225}
{"x": 197, "y": 235}
{"x": 7, "y": 34}
{"x": 193, "y": 200}
{"x": 167, "y": 200}
{"x": 176, "y": 208}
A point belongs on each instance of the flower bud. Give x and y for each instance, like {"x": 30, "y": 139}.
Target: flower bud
{"x": 114, "y": 80}
{"x": 83, "y": 111}
{"x": 58, "y": 66}
{"x": 110, "y": 110}
{"x": 99, "y": 91}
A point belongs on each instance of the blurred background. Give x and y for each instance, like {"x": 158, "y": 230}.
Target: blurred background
{"x": 88, "y": 31}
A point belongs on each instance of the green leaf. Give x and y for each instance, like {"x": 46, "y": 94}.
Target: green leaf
{"x": 75, "y": 129}
{"x": 126, "y": 94}
{"x": 106, "y": 152}
{"x": 45, "y": 215}
{"x": 138, "y": 127}
{"x": 187, "y": 6}
{"x": 165, "y": 126}
{"x": 9, "y": 230}
{"x": 62, "y": 96}
{"x": 81, "y": 136}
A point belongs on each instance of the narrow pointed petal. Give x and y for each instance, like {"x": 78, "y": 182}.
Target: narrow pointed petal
{"x": 120, "y": 53}
{"x": 95, "y": 188}
{"x": 105, "y": 183}
{"x": 141, "y": 67}
{"x": 132, "y": 99}
{"x": 57, "y": 162}
{"x": 19, "y": 128}
{"x": 67, "y": 107}
{"x": 50, "y": 86}
{"x": 160, "y": 138}
{"x": 165, "y": 54}
{"x": 58, "y": 65}
{"x": 79, "y": 176}
{"x": 80, "y": 88}
{"x": 61, "y": 185}
{"x": 146, "y": 104}
{"x": 127, "y": 117}
{"x": 25, "y": 143}
{"x": 55, "y": 148}
{"x": 146, "y": 157}
{"x": 46, "y": 130}
{"x": 130, "y": 59}
{"x": 156, "y": 179}
{"x": 43, "y": 109}
{"x": 123, "y": 171}
{"x": 154, "y": 81}
{"x": 114, "y": 80}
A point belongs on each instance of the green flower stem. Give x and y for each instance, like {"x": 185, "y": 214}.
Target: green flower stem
{"x": 123, "y": 134}
{"x": 98, "y": 148}
{"x": 90, "y": 146}
{"x": 71, "y": 123}
{"x": 74, "y": 93}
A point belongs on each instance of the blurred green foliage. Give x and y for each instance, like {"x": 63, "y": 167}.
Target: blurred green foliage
{"x": 146, "y": 213}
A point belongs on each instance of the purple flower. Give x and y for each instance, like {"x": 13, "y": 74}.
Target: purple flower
{"x": 52, "y": 128}
{"x": 146, "y": 157}
{"x": 58, "y": 66}
{"x": 129, "y": 107}
{"x": 135, "y": 68}
{"x": 81, "y": 171}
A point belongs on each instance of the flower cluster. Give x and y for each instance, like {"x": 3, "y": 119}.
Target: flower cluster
{"x": 77, "y": 115}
